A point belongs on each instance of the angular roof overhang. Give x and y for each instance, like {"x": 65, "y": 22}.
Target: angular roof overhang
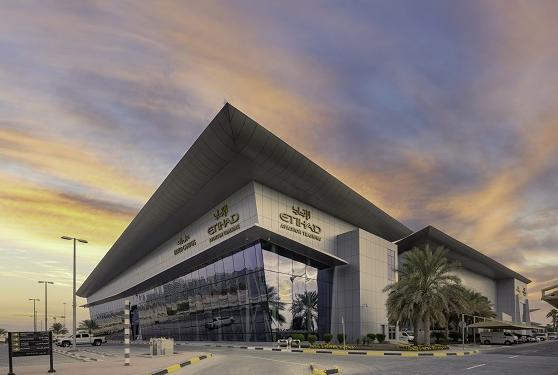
{"x": 468, "y": 257}
{"x": 232, "y": 151}
{"x": 550, "y": 295}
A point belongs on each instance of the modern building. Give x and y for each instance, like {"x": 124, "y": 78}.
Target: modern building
{"x": 247, "y": 239}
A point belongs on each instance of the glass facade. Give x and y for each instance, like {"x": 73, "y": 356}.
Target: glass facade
{"x": 259, "y": 293}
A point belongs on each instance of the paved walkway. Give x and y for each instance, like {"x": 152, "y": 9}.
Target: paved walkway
{"x": 111, "y": 365}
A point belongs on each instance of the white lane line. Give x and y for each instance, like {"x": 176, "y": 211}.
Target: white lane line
{"x": 514, "y": 356}
{"x": 274, "y": 360}
{"x": 472, "y": 367}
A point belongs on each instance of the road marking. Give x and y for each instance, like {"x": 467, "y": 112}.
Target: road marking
{"x": 472, "y": 367}
{"x": 274, "y": 360}
{"x": 513, "y": 356}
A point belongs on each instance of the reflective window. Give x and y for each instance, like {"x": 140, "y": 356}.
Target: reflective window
{"x": 238, "y": 260}
{"x": 270, "y": 260}
{"x": 229, "y": 266}
{"x": 285, "y": 265}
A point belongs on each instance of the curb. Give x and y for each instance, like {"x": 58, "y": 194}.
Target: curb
{"x": 351, "y": 352}
{"x": 178, "y": 366}
{"x": 321, "y": 371}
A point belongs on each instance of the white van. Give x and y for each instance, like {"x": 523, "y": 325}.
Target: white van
{"x": 506, "y": 338}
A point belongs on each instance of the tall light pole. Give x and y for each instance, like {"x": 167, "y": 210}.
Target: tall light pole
{"x": 74, "y": 307}
{"x": 46, "y": 300}
{"x": 34, "y": 313}
{"x": 64, "y": 314}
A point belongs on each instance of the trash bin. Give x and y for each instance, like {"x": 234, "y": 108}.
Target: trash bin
{"x": 161, "y": 346}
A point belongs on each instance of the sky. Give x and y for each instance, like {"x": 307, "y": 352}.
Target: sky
{"x": 441, "y": 113}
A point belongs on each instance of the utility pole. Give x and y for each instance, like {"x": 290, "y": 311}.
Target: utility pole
{"x": 34, "y": 313}
{"x": 46, "y": 300}
{"x": 74, "y": 307}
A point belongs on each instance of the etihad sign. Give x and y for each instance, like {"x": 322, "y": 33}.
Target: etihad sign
{"x": 299, "y": 223}
{"x": 225, "y": 224}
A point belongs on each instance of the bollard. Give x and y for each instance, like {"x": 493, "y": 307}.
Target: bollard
{"x": 127, "y": 333}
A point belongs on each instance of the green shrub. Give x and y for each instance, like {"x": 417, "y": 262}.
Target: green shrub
{"x": 340, "y": 338}
{"x": 381, "y": 337}
{"x": 328, "y": 337}
{"x": 298, "y": 336}
{"x": 312, "y": 339}
{"x": 371, "y": 337}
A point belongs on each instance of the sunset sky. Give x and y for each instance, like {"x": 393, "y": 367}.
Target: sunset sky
{"x": 439, "y": 112}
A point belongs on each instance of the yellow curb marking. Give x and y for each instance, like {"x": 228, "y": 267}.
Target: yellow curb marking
{"x": 375, "y": 354}
{"x": 173, "y": 368}
{"x": 194, "y": 360}
{"x": 410, "y": 354}
{"x": 340, "y": 352}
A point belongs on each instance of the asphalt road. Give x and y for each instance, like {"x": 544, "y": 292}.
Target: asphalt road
{"x": 532, "y": 359}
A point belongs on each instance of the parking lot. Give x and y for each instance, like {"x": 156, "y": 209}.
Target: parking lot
{"x": 533, "y": 358}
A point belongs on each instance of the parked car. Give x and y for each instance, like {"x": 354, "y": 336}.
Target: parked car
{"x": 506, "y": 338}
{"x": 552, "y": 336}
{"x": 81, "y": 339}
{"x": 541, "y": 336}
{"x": 533, "y": 339}
{"x": 219, "y": 322}
{"x": 522, "y": 339}
{"x": 406, "y": 336}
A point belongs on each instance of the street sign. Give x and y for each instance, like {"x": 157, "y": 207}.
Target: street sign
{"x": 30, "y": 343}
{"x": 462, "y": 324}
{"x": 25, "y": 344}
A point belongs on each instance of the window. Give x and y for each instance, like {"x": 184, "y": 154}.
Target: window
{"x": 391, "y": 266}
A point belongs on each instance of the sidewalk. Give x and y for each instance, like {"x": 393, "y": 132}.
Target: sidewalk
{"x": 139, "y": 365}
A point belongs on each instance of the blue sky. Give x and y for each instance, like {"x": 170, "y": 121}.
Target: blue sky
{"x": 439, "y": 112}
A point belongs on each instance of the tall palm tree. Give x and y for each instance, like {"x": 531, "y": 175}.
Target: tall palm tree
{"x": 479, "y": 305}
{"x": 305, "y": 306}
{"x": 275, "y": 306}
{"x": 89, "y": 325}
{"x": 553, "y": 315}
{"x": 457, "y": 303}
{"x": 424, "y": 278}
{"x": 58, "y": 328}
{"x": 3, "y": 331}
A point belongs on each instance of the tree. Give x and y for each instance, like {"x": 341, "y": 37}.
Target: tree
{"x": 305, "y": 306}
{"x": 89, "y": 325}
{"x": 420, "y": 295}
{"x": 553, "y": 315}
{"x": 58, "y": 329}
{"x": 275, "y": 306}
{"x": 3, "y": 331}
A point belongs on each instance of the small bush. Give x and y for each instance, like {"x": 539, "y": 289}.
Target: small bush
{"x": 312, "y": 339}
{"x": 381, "y": 337}
{"x": 328, "y": 337}
{"x": 371, "y": 337}
{"x": 340, "y": 338}
{"x": 298, "y": 336}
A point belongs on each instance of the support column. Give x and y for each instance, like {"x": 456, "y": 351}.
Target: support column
{"x": 127, "y": 333}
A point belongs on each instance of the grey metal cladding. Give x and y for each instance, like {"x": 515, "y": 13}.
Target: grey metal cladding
{"x": 232, "y": 151}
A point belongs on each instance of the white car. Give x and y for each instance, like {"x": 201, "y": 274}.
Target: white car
{"x": 506, "y": 338}
{"x": 552, "y": 336}
{"x": 406, "y": 336}
{"x": 81, "y": 339}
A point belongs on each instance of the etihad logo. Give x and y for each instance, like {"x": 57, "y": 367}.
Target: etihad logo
{"x": 299, "y": 223}
{"x": 184, "y": 242}
{"x": 300, "y": 219}
{"x": 224, "y": 223}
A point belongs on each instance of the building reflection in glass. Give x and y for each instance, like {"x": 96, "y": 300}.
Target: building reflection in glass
{"x": 259, "y": 293}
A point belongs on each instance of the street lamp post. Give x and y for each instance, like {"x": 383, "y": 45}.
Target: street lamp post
{"x": 64, "y": 314}
{"x": 46, "y": 299}
{"x": 34, "y": 313}
{"x": 74, "y": 307}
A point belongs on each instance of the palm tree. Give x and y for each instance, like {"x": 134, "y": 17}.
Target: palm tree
{"x": 89, "y": 325}
{"x": 3, "y": 331}
{"x": 553, "y": 315}
{"x": 479, "y": 305}
{"x": 275, "y": 306}
{"x": 58, "y": 329}
{"x": 422, "y": 288}
{"x": 305, "y": 306}
{"x": 457, "y": 304}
